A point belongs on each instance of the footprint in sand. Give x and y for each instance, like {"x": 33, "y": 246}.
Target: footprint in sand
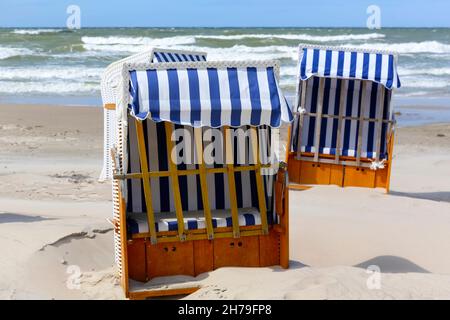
{"x": 318, "y": 287}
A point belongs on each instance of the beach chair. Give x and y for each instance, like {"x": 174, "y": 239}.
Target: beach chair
{"x": 109, "y": 89}
{"x": 226, "y": 202}
{"x": 343, "y": 132}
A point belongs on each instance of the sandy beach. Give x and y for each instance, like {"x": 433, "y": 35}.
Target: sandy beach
{"x": 56, "y": 242}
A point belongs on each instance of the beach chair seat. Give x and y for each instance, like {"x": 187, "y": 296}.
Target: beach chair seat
{"x": 343, "y": 131}
{"x": 193, "y": 220}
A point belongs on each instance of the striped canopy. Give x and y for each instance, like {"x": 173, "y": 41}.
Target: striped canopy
{"x": 336, "y": 62}
{"x": 167, "y": 55}
{"x": 211, "y": 94}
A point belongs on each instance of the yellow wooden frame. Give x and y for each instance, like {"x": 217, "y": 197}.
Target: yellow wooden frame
{"x": 203, "y": 182}
{"x": 175, "y": 183}
{"x": 146, "y": 180}
{"x": 209, "y": 233}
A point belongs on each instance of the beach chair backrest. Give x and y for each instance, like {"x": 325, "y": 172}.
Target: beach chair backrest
{"x": 189, "y": 185}
{"x": 344, "y": 102}
{"x": 339, "y": 127}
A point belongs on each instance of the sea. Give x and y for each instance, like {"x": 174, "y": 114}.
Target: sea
{"x": 62, "y": 66}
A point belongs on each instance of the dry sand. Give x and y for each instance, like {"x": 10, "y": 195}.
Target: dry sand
{"x": 55, "y": 241}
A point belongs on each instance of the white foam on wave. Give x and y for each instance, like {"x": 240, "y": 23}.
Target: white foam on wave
{"x": 35, "y": 31}
{"x": 101, "y": 49}
{"x": 412, "y": 94}
{"x": 242, "y": 52}
{"x": 236, "y": 52}
{"x": 51, "y": 73}
{"x": 7, "y": 52}
{"x": 304, "y": 37}
{"x": 112, "y": 40}
{"x": 407, "y": 47}
{"x": 39, "y": 87}
{"x": 424, "y": 71}
{"x": 289, "y": 71}
{"x": 424, "y": 83}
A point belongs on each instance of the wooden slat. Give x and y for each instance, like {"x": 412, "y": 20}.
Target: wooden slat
{"x": 300, "y": 120}
{"x": 141, "y": 295}
{"x": 123, "y": 242}
{"x": 196, "y": 231}
{"x": 229, "y": 156}
{"x": 175, "y": 183}
{"x": 340, "y": 120}
{"x": 198, "y": 137}
{"x": 389, "y": 162}
{"x": 146, "y": 180}
{"x": 204, "y": 236}
{"x": 259, "y": 181}
{"x": 361, "y": 121}
{"x": 332, "y": 116}
{"x": 391, "y": 134}
{"x": 288, "y": 144}
{"x": 310, "y": 156}
{"x": 318, "y": 119}
{"x": 155, "y": 174}
{"x": 379, "y": 123}
{"x": 110, "y": 106}
{"x": 343, "y": 162}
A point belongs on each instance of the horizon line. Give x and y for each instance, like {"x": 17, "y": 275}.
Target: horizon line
{"x": 225, "y": 27}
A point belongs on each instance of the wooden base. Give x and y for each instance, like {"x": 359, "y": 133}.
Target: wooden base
{"x": 191, "y": 258}
{"x": 300, "y": 187}
{"x": 157, "y": 293}
{"x": 143, "y": 261}
{"x": 306, "y": 172}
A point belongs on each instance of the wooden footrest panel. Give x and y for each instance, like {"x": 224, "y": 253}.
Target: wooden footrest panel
{"x": 146, "y": 261}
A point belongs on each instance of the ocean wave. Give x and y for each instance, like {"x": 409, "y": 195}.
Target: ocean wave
{"x": 7, "y": 52}
{"x": 101, "y": 49}
{"x": 242, "y": 52}
{"x": 35, "y": 31}
{"x": 51, "y": 73}
{"x": 407, "y": 47}
{"x": 303, "y": 37}
{"x": 424, "y": 71}
{"x": 236, "y": 52}
{"x": 424, "y": 83}
{"x": 112, "y": 40}
{"x": 413, "y": 94}
{"x": 39, "y": 87}
{"x": 289, "y": 71}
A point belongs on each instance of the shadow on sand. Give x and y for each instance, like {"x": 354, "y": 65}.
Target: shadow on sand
{"x": 441, "y": 196}
{"x": 6, "y": 217}
{"x": 392, "y": 264}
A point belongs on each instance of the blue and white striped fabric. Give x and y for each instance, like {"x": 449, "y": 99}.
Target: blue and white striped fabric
{"x": 354, "y": 99}
{"x": 174, "y": 56}
{"x": 348, "y": 64}
{"x": 209, "y": 95}
{"x": 193, "y": 220}
{"x": 190, "y": 189}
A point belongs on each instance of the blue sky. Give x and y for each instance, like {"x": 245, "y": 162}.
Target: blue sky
{"x": 219, "y": 13}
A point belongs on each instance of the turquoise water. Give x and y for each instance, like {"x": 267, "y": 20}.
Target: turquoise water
{"x": 54, "y": 65}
